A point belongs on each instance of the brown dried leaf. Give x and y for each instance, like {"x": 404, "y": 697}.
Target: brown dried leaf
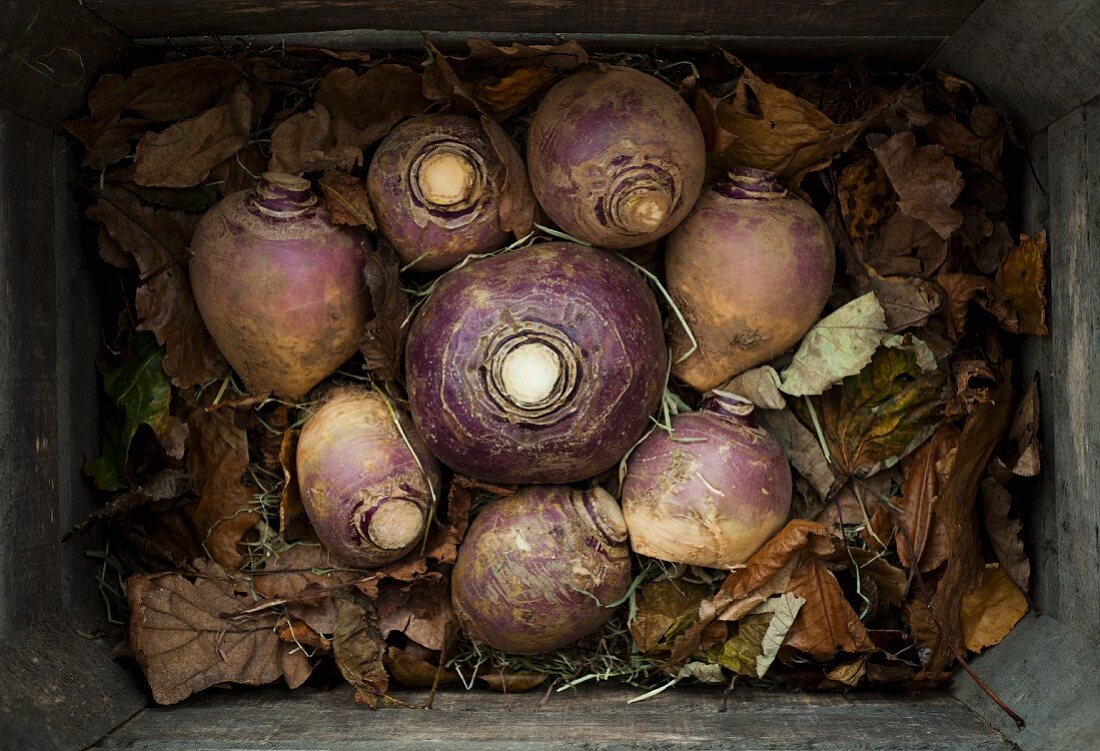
{"x": 217, "y": 459}
{"x": 164, "y": 485}
{"x": 982, "y": 143}
{"x": 775, "y": 130}
{"x": 975, "y": 380}
{"x": 1023, "y": 278}
{"x": 760, "y": 386}
{"x": 364, "y": 108}
{"x": 865, "y": 196}
{"x": 306, "y": 142}
{"x": 293, "y": 631}
{"x": 414, "y": 667}
{"x": 383, "y": 341}
{"x": 801, "y": 447}
{"x": 185, "y": 153}
{"x": 980, "y": 436}
{"x": 962, "y": 289}
{"x": 298, "y": 571}
{"x": 359, "y": 648}
{"x": 158, "y": 240}
{"x": 903, "y": 246}
{"x": 421, "y": 610}
{"x": 1004, "y": 533}
{"x": 826, "y": 623}
{"x": 925, "y": 179}
{"x": 293, "y": 522}
{"x": 347, "y": 200}
{"x": 661, "y": 606}
{"x": 516, "y": 213}
{"x": 926, "y": 473}
{"x": 909, "y": 301}
{"x": 1026, "y": 461}
{"x": 716, "y": 138}
{"x": 184, "y": 638}
{"x": 992, "y": 610}
{"x": 513, "y": 683}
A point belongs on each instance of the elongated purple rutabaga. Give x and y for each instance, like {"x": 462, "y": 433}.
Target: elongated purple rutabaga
{"x": 437, "y": 185}
{"x": 537, "y": 569}
{"x": 616, "y": 157}
{"x": 367, "y": 495}
{"x": 536, "y": 365}
{"x": 710, "y": 494}
{"x": 751, "y": 269}
{"x": 279, "y": 286}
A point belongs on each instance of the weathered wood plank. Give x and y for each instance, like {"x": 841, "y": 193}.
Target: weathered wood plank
{"x": 50, "y": 53}
{"x": 30, "y": 565}
{"x": 1038, "y": 59}
{"x": 596, "y": 717}
{"x": 145, "y": 19}
{"x": 1074, "y": 168}
{"x": 1050, "y": 674}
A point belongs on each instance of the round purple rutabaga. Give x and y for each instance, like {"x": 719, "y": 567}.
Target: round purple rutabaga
{"x": 711, "y": 493}
{"x": 751, "y": 269}
{"x": 537, "y": 365}
{"x": 537, "y": 568}
{"x": 616, "y": 157}
{"x": 367, "y": 495}
{"x": 279, "y": 286}
{"x": 437, "y": 185}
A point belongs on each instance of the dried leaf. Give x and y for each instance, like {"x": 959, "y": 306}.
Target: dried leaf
{"x": 801, "y": 447}
{"x": 358, "y": 649}
{"x": 962, "y": 289}
{"x": 347, "y": 200}
{"x": 218, "y": 458}
{"x": 775, "y": 130}
{"x": 926, "y": 181}
{"x": 742, "y": 653}
{"x": 1004, "y": 533}
{"x": 296, "y": 572}
{"x": 184, "y": 154}
{"x": 364, "y": 108}
{"x": 412, "y": 668}
{"x": 293, "y": 522}
{"x": 158, "y": 240}
{"x": 1024, "y": 432}
{"x": 306, "y": 142}
{"x": 785, "y": 610}
{"x": 839, "y": 345}
{"x": 826, "y": 623}
{"x": 926, "y": 474}
{"x": 513, "y": 682}
{"x": 139, "y": 390}
{"x": 760, "y": 386}
{"x": 661, "y": 607}
{"x": 164, "y": 485}
{"x": 908, "y": 301}
{"x": 299, "y": 633}
{"x": 704, "y": 672}
{"x": 990, "y": 612}
{"x": 383, "y": 341}
{"x": 1023, "y": 277}
{"x": 516, "y": 213}
{"x": 874, "y": 419}
{"x": 183, "y": 636}
{"x": 865, "y": 195}
{"x": 849, "y": 673}
{"x": 980, "y": 436}
{"x": 982, "y": 143}
{"x": 904, "y": 246}
{"x": 975, "y": 380}
{"x": 421, "y": 610}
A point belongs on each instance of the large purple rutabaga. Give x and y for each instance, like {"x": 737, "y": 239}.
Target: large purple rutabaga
{"x": 536, "y": 365}
{"x": 711, "y": 493}
{"x": 367, "y": 495}
{"x": 538, "y": 568}
{"x": 751, "y": 269}
{"x": 438, "y": 185}
{"x": 279, "y": 286}
{"x": 616, "y": 157}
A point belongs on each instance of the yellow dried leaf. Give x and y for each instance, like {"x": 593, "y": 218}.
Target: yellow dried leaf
{"x": 1023, "y": 277}
{"x": 991, "y": 611}
{"x": 865, "y": 196}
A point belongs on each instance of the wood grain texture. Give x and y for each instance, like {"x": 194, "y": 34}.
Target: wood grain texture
{"x": 1074, "y": 169}
{"x": 594, "y": 718}
{"x": 30, "y": 562}
{"x": 1038, "y": 59}
{"x": 1050, "y": 674}
{"x": 50, "y": 53}
{"x": 146, "y": 19}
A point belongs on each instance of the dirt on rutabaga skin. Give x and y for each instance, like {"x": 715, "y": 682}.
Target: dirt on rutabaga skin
{"x": 616, "y": 157}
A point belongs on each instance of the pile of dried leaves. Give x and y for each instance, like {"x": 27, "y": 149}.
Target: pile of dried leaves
{"x": 897, "y": 410}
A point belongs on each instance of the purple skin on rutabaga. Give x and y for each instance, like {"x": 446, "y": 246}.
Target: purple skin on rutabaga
{"x": 712, "y": 493}
{"x": 537, "y": 365}
{"x": 616, "y": 157}
{"x": 279, "y": 286}
{"x": 537, "y": 568}
{"x": 367, "y": 495}
{"x": 751, "y": 269}
{"x": 436, "y": 184}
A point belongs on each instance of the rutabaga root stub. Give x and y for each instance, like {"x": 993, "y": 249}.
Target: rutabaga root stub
{"x": 368, "y": 482}
{"x": 711, "y": 493}
{"x": 279, "y": 286}
{"x": 537, "y": 569}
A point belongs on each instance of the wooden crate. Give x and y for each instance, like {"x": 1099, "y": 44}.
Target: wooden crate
{"x": 59, "y": 690}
